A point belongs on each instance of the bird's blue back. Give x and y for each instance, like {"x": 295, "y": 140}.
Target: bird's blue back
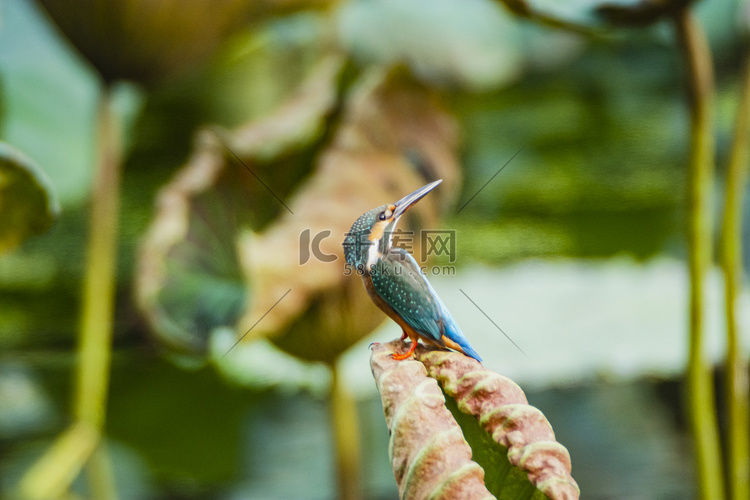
{"x": 399, "y": 281}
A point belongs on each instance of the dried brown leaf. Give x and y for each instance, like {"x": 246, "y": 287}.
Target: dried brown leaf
{"x": 429, "y": 455}
{"x": 393, "y": 137}
{"x": 498, "y": 404}
{"x": 222, "y": 251}
{"x": 201, "y": 212}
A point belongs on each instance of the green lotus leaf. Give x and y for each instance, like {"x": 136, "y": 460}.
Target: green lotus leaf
{"x": 27, "y": 204}
{"x": 470, "y": 45}
{"x": 476, "y": 438}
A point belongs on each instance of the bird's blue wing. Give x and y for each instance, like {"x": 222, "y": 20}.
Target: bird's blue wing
{"x": 399, "y": 281}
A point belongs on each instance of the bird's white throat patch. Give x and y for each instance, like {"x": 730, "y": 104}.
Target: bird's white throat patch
{"x": 373, "y": 253}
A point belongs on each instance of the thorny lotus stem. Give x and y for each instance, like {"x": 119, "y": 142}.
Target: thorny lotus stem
{"x": 52, "y": 474}
{"x": 346, "y": 439}
{"x": 701, "y": 403}
{"x": 731, "y": 263}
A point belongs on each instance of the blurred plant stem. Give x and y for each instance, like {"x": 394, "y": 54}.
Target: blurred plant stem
{"x": 346, "y": 439}
{"x": 51, "y": 475}
{"x": 100, "y": 477}
{"x": 701, "y": 401}
{"x": 99, "y": 286}
{"x": 95, "y": 342}
{"x": 731, "y": 263}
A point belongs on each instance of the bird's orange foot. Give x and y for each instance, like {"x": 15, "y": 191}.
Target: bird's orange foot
{"x": 407, "y": 354}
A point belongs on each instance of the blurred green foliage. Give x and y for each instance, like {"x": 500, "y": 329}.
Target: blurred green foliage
{"x": 599, "y": 123}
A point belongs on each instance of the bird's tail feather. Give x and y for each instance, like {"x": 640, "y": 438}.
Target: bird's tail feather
{"x": 454, "y": 333}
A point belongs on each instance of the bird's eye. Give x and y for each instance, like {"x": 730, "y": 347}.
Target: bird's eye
{"x": 381, "y": 216}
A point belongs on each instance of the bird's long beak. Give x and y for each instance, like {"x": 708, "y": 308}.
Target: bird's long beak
{"x": 410, "y": 199}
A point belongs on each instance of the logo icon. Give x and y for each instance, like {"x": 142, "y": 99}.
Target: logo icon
{"x": 308, "y": 245}
{"x": 437, "y": 242}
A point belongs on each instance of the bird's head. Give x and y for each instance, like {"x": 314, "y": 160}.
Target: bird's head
{"x": 375, "y": 228}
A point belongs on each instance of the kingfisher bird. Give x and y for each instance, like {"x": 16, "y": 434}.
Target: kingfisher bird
{"x": 396, "y": 283}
